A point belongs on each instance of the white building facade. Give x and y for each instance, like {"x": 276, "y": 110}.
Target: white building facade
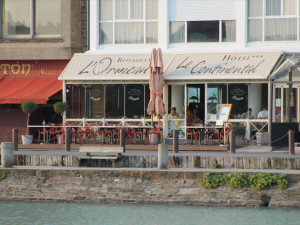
{"x": 215, "y": 52}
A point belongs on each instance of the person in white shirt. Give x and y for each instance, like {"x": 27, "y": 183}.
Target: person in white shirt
{"x": 173, "y": 113}
{"x": 264, "y": 113}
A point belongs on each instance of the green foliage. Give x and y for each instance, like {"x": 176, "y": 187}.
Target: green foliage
{"x": 240, "y": 180}
{"x": 263, "y": 131}
{"x": 217, "y": 166}
{"x": 43, "y": 180}
{"x": 60, "y": 107}
{"x": 239, "y": 129}
{"x": 2, "y": 177}
{"x": 29, "y": 106}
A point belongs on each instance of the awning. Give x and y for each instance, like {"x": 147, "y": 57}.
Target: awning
{"x": 18, "y": 90}
{"x": 178, "y": 66}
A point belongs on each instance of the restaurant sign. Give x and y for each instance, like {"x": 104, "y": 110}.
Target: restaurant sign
{"x": 200, "y": 66}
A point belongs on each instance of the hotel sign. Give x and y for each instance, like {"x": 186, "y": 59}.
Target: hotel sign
{"x": 200, "y": 66}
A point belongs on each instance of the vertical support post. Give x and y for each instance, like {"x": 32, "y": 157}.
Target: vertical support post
{"x": 122, "y": 139}
{"x": 15, "y": 139}
{"x": 44, "y": 129}
{"x": 175, "y": 141}
{"x": 68, "y": 140}
{"x": 289, "y": 97}
{"x": 232, "y": 141}
{"x": 7, "y": 154}
{"x": 291, "y": 142}
{"x": 162, "y": 162}
{"x": 249, "y": 129}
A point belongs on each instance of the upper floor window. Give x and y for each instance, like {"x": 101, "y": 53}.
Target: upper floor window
{"x": 273, "y": 20}
{"x": 29, "y": 18}
{"x": 128, "y": 21}
{"x": 203, "y": 31}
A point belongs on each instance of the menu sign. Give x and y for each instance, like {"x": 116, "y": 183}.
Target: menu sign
{"x": 224, "y": 112}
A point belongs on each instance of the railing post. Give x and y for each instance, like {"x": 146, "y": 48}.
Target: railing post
{"x": 15, "y": 139}
{"x": 68, "y": 140}
{"x": 162, "y": 162}
{"x": 291, "y": 142}
{"x": 249, "y": 129}
{"x": 175, "y": 141}
{"x": 122, "y": 139}
{"x": 232, "y": 141}
{"x": 7, "y": 154}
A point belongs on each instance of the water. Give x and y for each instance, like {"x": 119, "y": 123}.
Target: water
{"x": 79, "y": 213}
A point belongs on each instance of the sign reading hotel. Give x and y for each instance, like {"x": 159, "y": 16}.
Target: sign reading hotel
{"x": 206, "y": 66}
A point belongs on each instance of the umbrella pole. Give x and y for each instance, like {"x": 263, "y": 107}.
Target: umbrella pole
{"x": 152, "y": 120}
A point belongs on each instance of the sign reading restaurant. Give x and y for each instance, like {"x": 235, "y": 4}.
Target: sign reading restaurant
{"x": 176, "y": 66}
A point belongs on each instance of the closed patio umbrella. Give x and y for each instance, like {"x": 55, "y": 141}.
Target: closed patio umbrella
{"x": 156, "y": 84}
{"x": 152, "y": 66}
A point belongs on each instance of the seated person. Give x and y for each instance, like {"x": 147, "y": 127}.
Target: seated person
{"x": 182, "y": 115}
{"x": 189, "y": 117}
{"x": 264, "y": 113}
{"x": 247, "y": 115}
{"x": 173, "y": 113}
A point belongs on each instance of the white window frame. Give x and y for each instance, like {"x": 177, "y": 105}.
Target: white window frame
{"x": 129, "y": 20}
{"x": 216, "y": 42}
{"x": 264, "y": 17}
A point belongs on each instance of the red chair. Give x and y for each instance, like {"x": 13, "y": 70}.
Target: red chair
{"x": 188, "y": 133}
{"x": 55, "y": 130}
{"x": 108, "y": 134}
{"x": 88, "y": 133}
{"x": 196, "y": 133}
{"x": 137, "y": 132}
{"x": 46, "y": 132}
{"x": 222, "y": 133}
{"x": 129, "y": 135}
{"x": 100, "y": 133}
{"x": 157, "y": 132}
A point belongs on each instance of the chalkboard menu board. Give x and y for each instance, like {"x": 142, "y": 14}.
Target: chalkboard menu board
{"x": 224, "y": 112}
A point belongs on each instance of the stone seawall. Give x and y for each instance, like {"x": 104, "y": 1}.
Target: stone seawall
{"x": 230, "y": 162}
{"x": 120, "y": 186}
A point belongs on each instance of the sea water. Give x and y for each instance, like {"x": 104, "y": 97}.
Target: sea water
{"x": 88, "y": 213}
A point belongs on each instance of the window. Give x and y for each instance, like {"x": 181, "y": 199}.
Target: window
{"x": 111, "y": 101}
{"x": 28, "y": 18}
{"x": 128, "y": 22}
{"x": 203, "y": 31}
{"x": 273, "y": 20}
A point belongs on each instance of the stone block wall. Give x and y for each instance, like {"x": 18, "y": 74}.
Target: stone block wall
{"x": 85, "y": 24}
{"x": 136, "y": 187}
{"x": 230, "y": 162}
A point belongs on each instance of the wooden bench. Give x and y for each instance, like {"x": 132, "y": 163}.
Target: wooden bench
{"x": 98, "y": 149}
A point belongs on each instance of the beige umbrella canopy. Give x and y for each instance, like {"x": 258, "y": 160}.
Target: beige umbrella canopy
{"x": 156, "y": 85}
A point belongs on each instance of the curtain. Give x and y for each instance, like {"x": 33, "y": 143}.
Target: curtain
{"x": 106, "y": 33}
{"x": 255, "y": 8}
{"x": 152, "y": 32}
{"x": 106, "y": 10}
{"x": 273, "y": 7}
{"x": 151, "y": 9}
{"x": 129, "y": 33}
{"x": 289, "y": 7}
{"x": 122, "y": 9}
{"x": 281, "y": 29}
{"x": 230, "y": 31}
{"x": 255, "y": 30}
{"x": 177, "y": 32}
{"x": 136, "y": 9}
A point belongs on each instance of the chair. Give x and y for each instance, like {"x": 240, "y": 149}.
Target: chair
{"x": 188, "y": 133}
{"x": 196, "y": 133}
{"x": 157, "y": 132}
{"x": 55, "y": 130}
{"x": 139, "y": 133}
{"x": 222, "y": 133}
{"x": 46, "y": 132}
{"x": 108, "y": 134}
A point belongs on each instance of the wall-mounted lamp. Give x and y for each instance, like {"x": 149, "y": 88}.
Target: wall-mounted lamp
{"x": 36, "y": 61}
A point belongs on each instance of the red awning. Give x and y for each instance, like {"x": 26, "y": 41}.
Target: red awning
{"x": 18, "y": 90}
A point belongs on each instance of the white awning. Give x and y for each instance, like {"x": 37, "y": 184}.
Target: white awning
{"x": 200, "y": 66}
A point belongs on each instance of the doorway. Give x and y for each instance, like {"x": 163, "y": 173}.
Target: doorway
{"x": 196, "y": 100}
{"x": 281, "y": 101}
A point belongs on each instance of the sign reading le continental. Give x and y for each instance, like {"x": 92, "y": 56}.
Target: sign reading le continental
{"x": 176, "y": 66}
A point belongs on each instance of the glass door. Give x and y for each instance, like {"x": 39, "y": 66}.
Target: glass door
{"x": 281, "y": 101}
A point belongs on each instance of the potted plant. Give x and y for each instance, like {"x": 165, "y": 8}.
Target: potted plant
{"x": 239, "y": 134}
{"x": 60, "y": 108}
{"x": 262, "y": 137}
{"x": 28, "y": 107}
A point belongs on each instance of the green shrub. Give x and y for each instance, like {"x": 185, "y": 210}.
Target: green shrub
{"x": 217, "y": 166}
{"x": 239, "y": 129}
{"x": 60, "y": 107}
{"x": 240, "y": 180}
